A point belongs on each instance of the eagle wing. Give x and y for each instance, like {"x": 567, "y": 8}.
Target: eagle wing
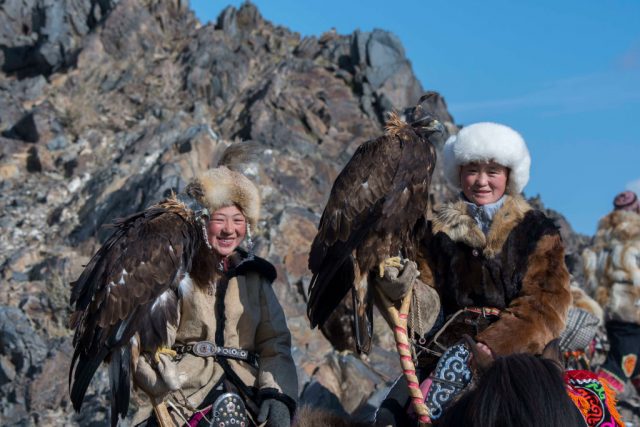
{"x": 360, "y": 187}
{"x": 129, "y": 288}
{"x": 374, "y": 205}
{"x": 408, "y": 198}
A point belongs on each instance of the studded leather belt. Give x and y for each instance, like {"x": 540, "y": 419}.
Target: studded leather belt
{"x": 210, "y": 349}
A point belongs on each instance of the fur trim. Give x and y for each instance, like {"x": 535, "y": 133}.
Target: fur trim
{"x": 453, "y": 220}
{"x": 482, "y": 142}
{"x": 505, "y": 220}
{"x": 224, "y": 187}
{"x": 585, "y": 302}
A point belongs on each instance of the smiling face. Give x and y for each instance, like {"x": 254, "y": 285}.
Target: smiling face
{"x": 483, "y": 183}
{"x": 226, "y": 229}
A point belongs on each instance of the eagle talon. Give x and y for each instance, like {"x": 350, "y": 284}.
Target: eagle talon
{"x": 395, "y": 261}
{"x": 164, "y": 350}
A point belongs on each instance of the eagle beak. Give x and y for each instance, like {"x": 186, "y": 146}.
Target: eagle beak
{"x": 430, "y": 126}
{"x": 436, "y": 126}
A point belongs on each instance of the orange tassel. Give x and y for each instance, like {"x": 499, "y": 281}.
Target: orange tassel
{"x": 611, "y": 402}
{"x": 581, "y": 402}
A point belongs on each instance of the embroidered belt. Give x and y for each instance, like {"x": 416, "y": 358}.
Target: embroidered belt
{"x": 484, "y": 311}
{"x": 210, "y": 349}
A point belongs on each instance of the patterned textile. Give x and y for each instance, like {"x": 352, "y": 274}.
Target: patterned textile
{"x": 614, "y": 381}
{"x": 629, "y": 364}
{"x": 622, "y": 359}
{"x": 594, "y": 399}
{"x": 580, "y": 330}
{"x": 450, "y": 377}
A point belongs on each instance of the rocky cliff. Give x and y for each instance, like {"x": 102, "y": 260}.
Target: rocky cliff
{"x": 108, "y": 105}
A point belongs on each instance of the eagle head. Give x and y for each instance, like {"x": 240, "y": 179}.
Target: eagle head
{"x": 191, "y": 201}
{"x": 424, "y": 123}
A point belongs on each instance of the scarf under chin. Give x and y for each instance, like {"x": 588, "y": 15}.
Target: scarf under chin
{"x": 483, "y": 214}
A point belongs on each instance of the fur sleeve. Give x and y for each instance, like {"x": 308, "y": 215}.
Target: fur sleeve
{"x": 538, "y": 314}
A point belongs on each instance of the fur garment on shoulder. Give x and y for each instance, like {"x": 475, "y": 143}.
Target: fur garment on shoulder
{"x": 612, "y": 266}
{"x": 518, "y": 268}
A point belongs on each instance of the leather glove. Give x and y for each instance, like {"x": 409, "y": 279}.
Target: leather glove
{"x": 275, "y": 413}
{"x": 157, "y": 379}
{"x": 396, "y": 283}
{"x": 425, "y": 308}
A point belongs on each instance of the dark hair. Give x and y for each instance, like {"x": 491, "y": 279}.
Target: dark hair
{"x": 519, "y": 390}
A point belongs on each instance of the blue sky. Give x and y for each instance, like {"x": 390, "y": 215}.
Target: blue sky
{"x": 565, "y": 74}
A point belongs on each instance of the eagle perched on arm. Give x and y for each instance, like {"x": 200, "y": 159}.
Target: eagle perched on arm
{"x": 373, "y": 207}
{"x": 127, "y": 294}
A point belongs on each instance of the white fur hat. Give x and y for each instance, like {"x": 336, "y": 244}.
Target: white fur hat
{"x": 223, "y": 187}
{"x": 482, "y": 142}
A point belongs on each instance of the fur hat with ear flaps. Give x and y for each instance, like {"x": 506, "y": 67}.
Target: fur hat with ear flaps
{"x": 483, "y": 142}
{"x": 223, "y": 187}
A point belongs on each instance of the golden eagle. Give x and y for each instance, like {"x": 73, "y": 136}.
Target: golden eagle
{"x": 373, "y": 207}
{"x": 128, "y": 292}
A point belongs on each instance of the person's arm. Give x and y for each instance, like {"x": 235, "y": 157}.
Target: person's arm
{"x": 537, "y": 315}
{"x": 277, "y": 376}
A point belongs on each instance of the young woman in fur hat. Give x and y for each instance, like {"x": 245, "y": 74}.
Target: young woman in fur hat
{"x": 496, "y": 263}
{"x": 228, "y": 301}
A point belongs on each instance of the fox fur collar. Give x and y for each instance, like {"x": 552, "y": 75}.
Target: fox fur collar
{"x": 454, "y": 220}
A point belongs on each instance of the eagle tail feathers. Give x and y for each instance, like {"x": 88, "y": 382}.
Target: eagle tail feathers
{"x": 328, "y": 288}
{"x": 120, "y": 381}
{"x": 363, "y": 321}
{"x": 85, "y": 369}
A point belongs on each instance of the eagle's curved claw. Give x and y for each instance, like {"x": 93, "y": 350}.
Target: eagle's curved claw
{"x": 164, "y": 350}
{"x": 395, "y": 261}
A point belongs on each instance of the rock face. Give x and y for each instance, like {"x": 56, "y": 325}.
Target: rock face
{"x": 109, "y": 105}
{"x": 40, "y": 37}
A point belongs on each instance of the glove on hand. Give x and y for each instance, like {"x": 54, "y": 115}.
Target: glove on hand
{"x": 395, "y": 283}
{"x": 156, "y": 380}
{"x": 275, "y": 413}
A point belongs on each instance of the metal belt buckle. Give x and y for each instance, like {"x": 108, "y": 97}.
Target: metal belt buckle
{"x": 204, "y": 349}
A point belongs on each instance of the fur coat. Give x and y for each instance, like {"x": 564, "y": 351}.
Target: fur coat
{"x": 612, "y": 266}
{"x": 517, "y": 267}
{"x": 239, "y": 311}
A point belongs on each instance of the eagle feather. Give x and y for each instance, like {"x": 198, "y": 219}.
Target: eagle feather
{"x": 128, "y": 294}
{"x": 374, "y": 205}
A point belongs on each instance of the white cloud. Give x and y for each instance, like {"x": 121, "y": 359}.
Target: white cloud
{"x": 634, "y": 186}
